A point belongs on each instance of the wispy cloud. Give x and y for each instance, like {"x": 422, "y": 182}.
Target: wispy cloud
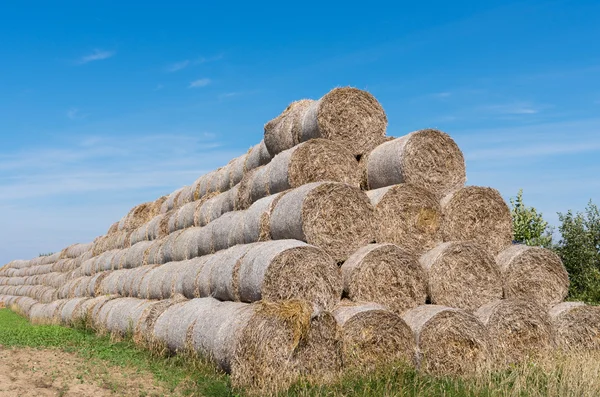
{"x": 214, "y": 58}
{"x": 178, "y": 66}
{"x": 516, "y": 108}
{"x": 75, "y": 114}
{"x": 97, "y": 55}
{"x": 199, "y": 83}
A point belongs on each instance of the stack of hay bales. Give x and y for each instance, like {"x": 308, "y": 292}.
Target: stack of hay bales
{"x": 329, "y": 245}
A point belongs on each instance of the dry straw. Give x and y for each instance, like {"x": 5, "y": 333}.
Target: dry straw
{"x": 477, "y": 213}
{"x": 385, "y": 274}
{"x": 462, "y": 275}
{"x": 533, "y": 273}
{"x": 333, "y": 216}
{"x": 426, "y": 158}
{"x": 577, "y": 326}
{"x": 408, "y": 216}
{"x": 144, "y": 328}
{"x": 373, "y": 336}
{"x": 279, "y": 132}
{"x": 518, "y": 329}
{"x": 257, "y": 155}
{"x": 449, "y": 341}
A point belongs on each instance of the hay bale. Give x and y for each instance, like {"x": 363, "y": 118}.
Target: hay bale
{"x": 373, "y": 336}
{"x": 86, "y": 309}
{"x": 66, "y": 314}
{"x": 236, "y": 170}
{"x": 223, "y": 283}
{"x": 169, "y": 203}
{"x": 221, "y": 228}
{"x": 289, "y": 269}
{"x": 135, "y": 254}
{"x": 160, "y": 281}
{"x": 185, "y": 280}
{"x": 257, "y": 219}
{"x": 257, "y": 155}
{"x": 253, "y": 186}
{"x": 533, "y": 273}
{"x": 427, "y": 158}
{"x": 461, "y": 274}
{"x": 186, "y": 196}
{"x": 123, "y": 315}
{"x": 576, "y": 325}
{"x": 167, "y": 252}
{"x": 408, "y": 216}
{"x": 144, "y": 328}
{"x": 333, "y": 216}
{"x": 449, "y": 341}
{"x": 193, "y": 242}
{"x": 477, "y": 213}
{"x": 171, "y": 327}
{"x": 279, "y": 132}
{"x": 153, "y": 254}
{"x": 518, "y": 329}
{"x": 385, "y": 274}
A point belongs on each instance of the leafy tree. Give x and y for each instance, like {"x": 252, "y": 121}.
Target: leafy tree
{"x": 529, "y": 226}
{"x": 579, "y": 248}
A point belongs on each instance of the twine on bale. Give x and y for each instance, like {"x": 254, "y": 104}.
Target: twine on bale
{"x": 533, "y": 273}
{"x": 449, "y": 341}
{"x": 518, "y": 329}
{"x": 373, "y": 336}
{"x": 408, "y": 216}
{"x": 387, "y": 275}
{"x": 335, "y": 217}
{"x": 462, "y": 275}
{"x": 480, "y": 214}
{"x": 577, "y": 326}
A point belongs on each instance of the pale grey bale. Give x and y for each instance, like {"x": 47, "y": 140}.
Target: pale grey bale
{"x": 139, "y": 234}
{"x": 279, "y": 132}
{"x": 236, "y": 170}
{"x": 236, "y": 233}
{"x": 289, "y": 269}
{"x": 109, "y": 284}
{"x": 82, "y": 288}
{"x": 161, "y": 280}
{"x": 257, "y": 219}
{"x": 124, "y": 315}
{"x": 69, "y": 308}
{"x": 135, "y": 254}
{"x": 183, "y": 270}
{"x": 77, "y": 250}
{"x": 203, "y": 185}
{"x": 330, "y": 215}
{"x": 185, "y": 283}
{"x": 89, "y": 266}
{"x": 193, "y": 242}
{"x": 85, "y": 310}
{"x": 95, "y": 283}
{"x": 219, "y": 205}
{"x": 104, "y": 261}
{"x": 25, "y": 304}
{"x": 82, "y": 258}
{"x": 259, "y": 184}
{"x": 204, "y": 212}
{"x": 146, "y": 282}
{"x": 153, "y": 255}
{"x": 167, "y": 250}
{"x": 100, "y": 314}
{"x": 220, "y": 180}
{"x": 221, "y": 228}
{"x": 224, "y": 281}
{"x": 166, "y": 327}
{"x": 186, "y": 196}
{"x": 257, "y": 155}
{"x": 169, "y": 203}
{"x": 172, "y": 222}
{"x": 153, "y": 229}
{"x": 218, "y": 328}
{"x": 185, "y": 216}
{"x": 137, "y": 278}
{"x": 117, "y": 260}
{"x": 202, "y": 286}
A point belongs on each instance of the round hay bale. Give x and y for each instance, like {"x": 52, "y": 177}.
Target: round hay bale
{"x": 348, "y": 115}
{"x": 139, "y": 234}
{"x": 85, "y": 310}
{"x": 185, "y": 281}
{"x": 427, "y": 158}
{"x": 518, "y": 329}
{"x": 408, "y": 216}
{"x": 461, "y": 274}
{"x": 161, "y": 280}
{"x": 124, "y": 314}
{"x": 449, "y": 341}
{"x": 253, "y": 186}
{"x": 117, "y": 260}
{"x": 163, "y": 226}
{"x": 236, "y": 169}
{"x": 333, "y": 216}
{"x": 279, "y": 132}
{"x": 257, "y": 219}
{"x": 135, "y": 254}
{"x": 219, "y": 182}
{"x": 373, "y": 336}
{"x": 138, "y": 216}
{"x": 533, "y": 273}
{"x": 387, "y": 275}
{"x": 289, "y": 269}
{"x": 169, "y": 203}
{"x": 236, "y": 233}
{"x": 185, "y": 217}
{"x": 113, "y": 228}
{"x": 153, "y": 229}
{"x": 146, "y": 282}
{"x": 186, "y": 196}
{"x": 95, "y": 283}
{"x": 68, "y": 309}
{"x": 257, "y": 155}
{"x": 576, "y": 325}
{"x": 171, "y": 327}
{"x": 167, "y": 250}
{"x": 193, "y": 242}
{"x": 477, "y": 213}
{"x": 221, "y": 228}
{"x": 144, "y": 328}
{"x": 153, "y": 254}
{"x": 136, "y": 278}
{"x": 224, "y": 278}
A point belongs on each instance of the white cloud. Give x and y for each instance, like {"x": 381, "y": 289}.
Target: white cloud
{"x": 518, "y": 108}
{"x": 199, "y": 83}
{"x": 178, "y": 66}
{"x": 97, "y": 55}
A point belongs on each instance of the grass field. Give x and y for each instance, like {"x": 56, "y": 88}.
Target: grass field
{"x": 560, "y": 375}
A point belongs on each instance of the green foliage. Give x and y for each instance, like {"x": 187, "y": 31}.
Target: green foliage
{"x": 529, "y": 226}
{"x": 579, "y": 248}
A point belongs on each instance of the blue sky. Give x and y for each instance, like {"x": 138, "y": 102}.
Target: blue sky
{"x": 105, "y": 105}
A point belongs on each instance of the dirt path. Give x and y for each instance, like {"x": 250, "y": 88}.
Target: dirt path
{"x": 41, "y": 373}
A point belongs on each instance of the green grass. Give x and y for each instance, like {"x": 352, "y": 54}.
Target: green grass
{"x": 557, "y": 375}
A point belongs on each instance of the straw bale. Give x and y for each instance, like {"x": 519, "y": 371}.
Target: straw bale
{"x": 144, "y": 328}
{"x": 117, "y": 260}
{"x": 385, "y": 274}
{"x": 24, "y": 305}
{"x": 254, "y": 186}
{"x": 75, "y": 250}
{"x": 426, "y": 158}
{"x": 289, "y": 269}
{"x": 236, "y": 169}
{"x": 257, "y": 219}
{"x": 83, "y": 257}
{"x": 113, "y": 228}
{"x": 160, "y": 281}
{"x": 193, "y": 242}
{"x": 333, "y": 216}
{"x": 172, "y": 325}
{"x": 96, "y": 283}
{"x": 257, "y": 155}
{"x": 224, "y": 277}
{"x": 373, "y": 336}
{"x": 221, "y": 228}
{"x": 165, "y": 221}
{"x": 477, "y": 213}
{"x": 136, "y": 280}
{"x": 279, "y": 132}
{"x": 153, "y": 230}
{"x": 576, "y": 325}
{"x": 68, "y": 309}
{"x": 186, "y": 196}
{"x": 167, "y": 253}
{"x": 82, "y": 288}
{"x": 86, "y": 309}
{"x": 153, "y": 254}
{"x": 185, "y": 281}
{"x": 533, "y": 273}
{"x": 518, "y": 329}
{"x": 461, "y": 274}
{"x": 124, "y": 314}
{"x": 408, "y": 216}
{"x": 135, "y": 254}
{"x": 449, "y": 341}
{"x": 169, "y": 203}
